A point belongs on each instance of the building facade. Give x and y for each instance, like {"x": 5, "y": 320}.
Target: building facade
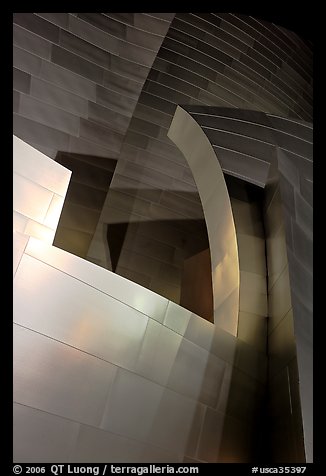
{"x": 169, "y": 314}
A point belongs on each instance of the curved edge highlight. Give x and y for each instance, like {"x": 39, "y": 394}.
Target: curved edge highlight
{"x": 191, "y": 140}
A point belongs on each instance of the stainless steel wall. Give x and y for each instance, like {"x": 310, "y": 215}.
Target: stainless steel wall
{"x": 209, "y": 59}
{"x": 107, "y": 85}
{"x": 105, "y": 369}
{"x": 284, "y": 396}
{"x": 286, "y": 147}
{"x": 121, "y": 371}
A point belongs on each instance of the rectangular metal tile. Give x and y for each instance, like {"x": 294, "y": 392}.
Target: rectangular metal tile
{"x": 15, "y": 101}
{"x": 126, "y": 18}
{"x": 34, "y": 432}
{"x": 142, "y": 38}
{"x": 68, "y": 80}
{"x": 31, "y": 131}
{"x": 149, "y": 247}
{"x": 19, "y": 222}
{"x": 129, "y": 69}
{"x": 158, "y": 352}
{"x": 102, "y": 22}
{"x": 303, "y": 214}
{"x": 162, "y": 16}
{"x": 19, "y": 245}
{"x": 211, "y": 435}
{"x": 137, "y": 54}
{"x": 132, "y": 406}
{"x": 103, "y": 135}
{"x": 48, "y": 115}
{"x": 93, "y": 35}
{"x": 145, "y": 127}
{"x": 253, "y": 330}
{"x": 200, "y": 332}
{"x": 276, "y": 252}
{"x": 59, "y": 19}
{"x": 56, "y": 96}
{"x": 21, "y": 81}
{"x": 26, "y": 61}
{"x": 37, "y": 25}
{"x": 279, "y": 299}
{"x": 176, "y": 318}
{"x": 281, "y": 343}
{"x": 172, "y": 423}
{"x": 105, "y": 116}
{"x": 115, "y": 101}
{"x": 251, "y": 254}
{"x": 243, "y": 166}
{"x": 303, "y": 246}
{"x": 103, "y": 316}
{"x": 127, "y": 203}
{"x": 253, "y": 293}
{"x": 31, "y": 42}
{"x": 34, "y": 166}
{"x": 274, "y": 217}
{"x": 120, "y": 84}
{"x": 99, "y": 446}
{"x": 195, "y": 430}
{"x": 151, "y": 24}
{"x": 84, "y": 49}
{"x": 301, "y": 280}
{"x": 109, "y": 283}
{"x": 303, "y": 319}
{"x": 58, "y": 379}
{"x": 30, "y": 199}
{"x": 306, "y": 190}
{"x": 95, "y": 445}
{"x": 196, "y": 373}
{"x": 157, "y": 103}
{"x": 76, "y": 64}
{"x": 78, "y": 145}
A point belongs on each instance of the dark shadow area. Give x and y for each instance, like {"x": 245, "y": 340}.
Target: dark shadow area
{"x": 241, "y": 190}
{"x": 115, "y": 235}
{"x": 90, "y": 181}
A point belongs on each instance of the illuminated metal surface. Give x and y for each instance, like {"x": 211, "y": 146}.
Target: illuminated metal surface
{"x": 191, "y": 140}
{"x": 92, "y": 348}
{"x": 39, "y": 188}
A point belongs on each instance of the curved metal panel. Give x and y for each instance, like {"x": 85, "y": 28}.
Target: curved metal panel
{"x": 186, "y": 133}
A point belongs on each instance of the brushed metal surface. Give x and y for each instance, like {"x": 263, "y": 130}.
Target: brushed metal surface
{"x": 279, "y": 302}
{"x": 59, "y": 379}
{"x": 191, "y": 140}
{"x": 40, "y": 169}
{"x": 98, "y": 446}
{"x": 211, "y": 435}
{"x": 121, "y": 289}
{"x": 132, "y": 406}
{"x": 172, "y": 422}
{"x": 30, "y": 199}
{"x": 84, "y": 318}
{"x": 176, "y": 318}
{"x": 158, "y": 352}
{"x": 196, "y": 373}
{"x": 19, "y": 245}
{"x": 42, "y": 437}
{"x": 253, "y": 293}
